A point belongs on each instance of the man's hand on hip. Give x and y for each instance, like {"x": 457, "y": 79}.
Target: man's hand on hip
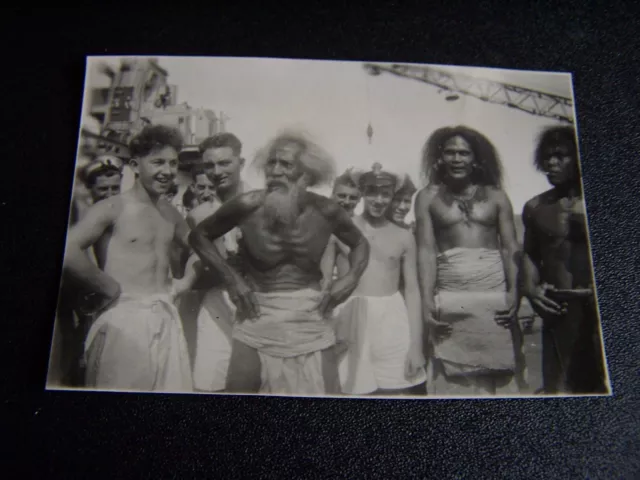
{"x": 244, "y": 300}
{"x": 339, "y": 291}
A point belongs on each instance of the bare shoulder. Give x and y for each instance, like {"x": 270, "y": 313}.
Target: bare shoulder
{"x": 497, "y": 195}
{"x": 202, "y": 211}
{"x": 535, "y": 202}
{"x": 169, "y": 211}
{"x": 108, "y": 209}
{"x": 403, "y": 235}
{"x": 248, "y": 201}
{"x": 426, "y": 195}
{"x": 328, "y": 207}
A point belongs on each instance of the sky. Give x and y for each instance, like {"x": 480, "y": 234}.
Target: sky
{"x": 335, "y": 101}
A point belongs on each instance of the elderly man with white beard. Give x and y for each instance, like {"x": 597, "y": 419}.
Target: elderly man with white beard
{"x": 282, "y": 336}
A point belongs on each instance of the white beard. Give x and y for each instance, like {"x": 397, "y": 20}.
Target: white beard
{"x": 281, "y": 208}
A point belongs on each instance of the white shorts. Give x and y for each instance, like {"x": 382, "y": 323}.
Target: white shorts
{"x": 376, "y": 330}
{"x": 213, "y": 341}
{"x": 138, "y": 344}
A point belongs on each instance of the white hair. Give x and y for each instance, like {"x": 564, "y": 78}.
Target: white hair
{"x": 319, "y": 166}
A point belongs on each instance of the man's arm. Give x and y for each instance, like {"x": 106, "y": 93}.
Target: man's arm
{"x": 346, "y": 231}
{"x": 328, "y": 262}
{"x": 228, "y": 216}
{"x": 427, "y": 252}
{"x": 427, "y": 267}
{"x": 529, "y": 277}
{"x": 83, "y": 235}
{"x": 414, "y": 309}
{"x": 511, "y": 254}
{"x": 530, "y": 280}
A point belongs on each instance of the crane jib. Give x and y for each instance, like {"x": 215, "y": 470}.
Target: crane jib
{"x": 524, "y": 99}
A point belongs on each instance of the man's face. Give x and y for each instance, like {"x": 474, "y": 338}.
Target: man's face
{"x": 203, "y": 189}
{"x": 458, "y": 158}
{"x": 157, "y": 170}
{"x": 283, "y": 169}
{"x": 377, "y": 200}
{"x": 347, "y": 197}
{"x": 105, "y": 186}
{"x": 560, "y": 165}
{"x": 400, "y": 206}
{"x": 223, "y": 167}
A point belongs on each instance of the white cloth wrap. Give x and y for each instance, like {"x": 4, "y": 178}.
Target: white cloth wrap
{"x": 138, "y": 344}
{"x": 213, "y": 340}
{"x": 289, "y": 335}
{"x": 377, "y": 336}
{"x": 470, "y": 289}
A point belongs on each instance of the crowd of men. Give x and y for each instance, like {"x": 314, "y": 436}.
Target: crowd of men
{"x": 293, "y": 293}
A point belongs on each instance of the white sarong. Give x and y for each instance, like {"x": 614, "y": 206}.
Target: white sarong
{"x": 377, "y": 336}
{"x": 138, "y": 344}
{"x": 289, "y": 335}
{"x": 470, "y": 289}
{"x": 213, "y": 341}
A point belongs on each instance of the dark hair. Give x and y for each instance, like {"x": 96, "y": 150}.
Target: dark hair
{"x": 407, "y": 187}
{"x": 153, "y": 137}
{"x": 221, "y": 140}
{"x": 488, "y": 169}
{"x": 188, "y": 197}
{"x": 551, "y": 136}
{"x": 196, "y": 171}
{"x": 108, "y": 172}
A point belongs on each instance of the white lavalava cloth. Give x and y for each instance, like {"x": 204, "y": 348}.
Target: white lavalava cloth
{"x": 470, "y": 289}
{"x": 138, "y": 344}
{"x": 377, "y": 337}
{"x": 289, "y": 335}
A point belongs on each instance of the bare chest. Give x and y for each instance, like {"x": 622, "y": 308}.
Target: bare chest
{"x": 143, "y": 229}
{"x": 557, "y": 222}
{"x": 384, "y": 244}
{"x": 306, "y": 237}
{"x": 448, "y": 211}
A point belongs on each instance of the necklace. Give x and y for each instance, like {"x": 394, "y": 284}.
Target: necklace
{"x": 465, "y": 202}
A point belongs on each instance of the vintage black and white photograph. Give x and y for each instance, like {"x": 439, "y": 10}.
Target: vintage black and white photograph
{"x": 328, "y": 229}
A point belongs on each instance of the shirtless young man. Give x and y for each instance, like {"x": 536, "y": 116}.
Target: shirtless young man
{"x": 467, "y": 255}
{"x": 383, "y": 329}
{"x": 557, "y": 273}
{"x": 136, "y": 342}
{"x": 401, "y": 203}
{"x": 282, "y": 340}
{"x": 102, "y": 177}
{"x": 335, "y": 260}
{"x": 217, "y": 182}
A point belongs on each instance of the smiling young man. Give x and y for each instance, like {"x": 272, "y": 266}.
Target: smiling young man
{"x": 136, "y": 342}
{"x": 382, "y": 329}
{"x": 468, "y": 265}
{"x": 282, "y": 337}
{"x": 401, "y": 203}
{"x": 557, "y": 271}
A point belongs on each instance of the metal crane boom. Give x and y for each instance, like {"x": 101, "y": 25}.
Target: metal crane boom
{"x": 530, "y": 101}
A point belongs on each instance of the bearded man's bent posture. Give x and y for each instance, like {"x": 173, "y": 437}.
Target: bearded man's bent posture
{"x": 467, "y": 254}
{"x": 557, "y": 272}
{"x": 282, "y": 337}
